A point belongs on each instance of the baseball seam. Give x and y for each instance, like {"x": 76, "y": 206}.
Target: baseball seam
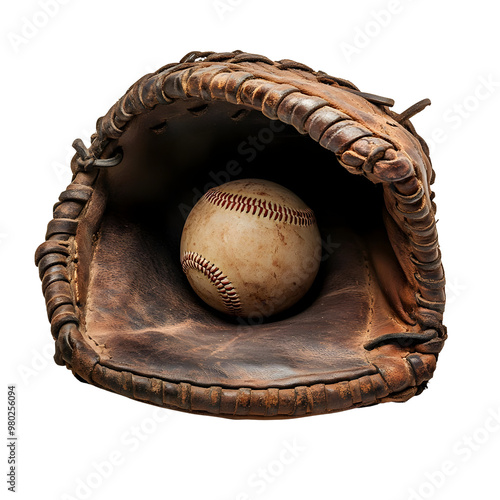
{"x": 261, "y": 208}
{"x": 227, "y": 292}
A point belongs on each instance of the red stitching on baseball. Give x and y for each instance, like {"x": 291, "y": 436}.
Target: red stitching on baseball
{"x": 259, "y": 207}
{"x": 227, "y": 292}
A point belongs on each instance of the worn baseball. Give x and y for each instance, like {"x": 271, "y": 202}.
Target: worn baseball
{"x": 250, "y": 247}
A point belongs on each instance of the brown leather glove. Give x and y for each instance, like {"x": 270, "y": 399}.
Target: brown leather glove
{"x": 123, "y": 314}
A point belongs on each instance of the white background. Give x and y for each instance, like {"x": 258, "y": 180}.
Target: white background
{"x": 59, "y": 77}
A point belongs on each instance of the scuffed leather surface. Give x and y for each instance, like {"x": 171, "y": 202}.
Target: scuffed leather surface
{"x": 150, "y": 322}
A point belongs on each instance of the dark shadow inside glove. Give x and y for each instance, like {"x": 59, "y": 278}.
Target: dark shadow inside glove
{"x": 140, "y": 309}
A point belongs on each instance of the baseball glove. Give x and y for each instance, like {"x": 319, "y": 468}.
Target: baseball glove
{"x": 122, "y": 313}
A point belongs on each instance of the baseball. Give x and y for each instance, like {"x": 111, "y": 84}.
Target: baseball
{"x": 250, "y": 247}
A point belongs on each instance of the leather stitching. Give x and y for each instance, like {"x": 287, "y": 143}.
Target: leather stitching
{"x": 261, "y": 208}
{"x": 227, "y": 292}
